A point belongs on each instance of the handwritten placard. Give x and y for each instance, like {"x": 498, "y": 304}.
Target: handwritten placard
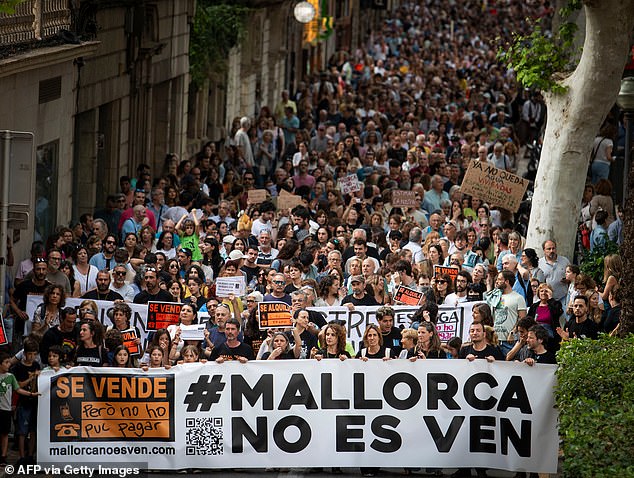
{"x": 256, "y": 196}
{"x": 407, "y": 296}
{"x": 495, "y": 186}
{"x": 286, "y": 200}
{"x": 349, "y": 184}
{"x": 404, "y": 198}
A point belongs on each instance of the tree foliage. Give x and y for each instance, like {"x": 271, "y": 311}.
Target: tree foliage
{"x": 217, "y": 28}
{"x": 8, "y": 6}
{"x": 539, "y": 56}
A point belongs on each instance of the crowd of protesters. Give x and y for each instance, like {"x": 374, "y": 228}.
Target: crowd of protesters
{"x": 409, "y": 111}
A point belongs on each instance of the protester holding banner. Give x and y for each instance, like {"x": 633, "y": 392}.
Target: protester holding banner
{"x": 334, "y": 340}
{"x": 428, "y": 344}
{"x": 232, "y": 348}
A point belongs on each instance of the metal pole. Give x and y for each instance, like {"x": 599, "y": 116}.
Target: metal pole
{"x": 4, "y": 212}
{"x": 629, "y": 119}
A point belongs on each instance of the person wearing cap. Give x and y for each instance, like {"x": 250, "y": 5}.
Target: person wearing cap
{"x": 359, "y": 295}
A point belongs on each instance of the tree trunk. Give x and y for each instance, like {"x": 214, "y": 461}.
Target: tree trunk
{"x": 627, "y": 250}
{"x": 574, "y": 118}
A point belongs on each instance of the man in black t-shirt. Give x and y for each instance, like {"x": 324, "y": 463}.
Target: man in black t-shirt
{"x": 358, "y": 296}
{"x": 153, "y": 292}
{"x": 35, "y": 285}
{"x": 103, "y": 291}
{"x": 250, "y": 268}
{"x": 232, "y": 349}
{"x": 580, "y": 326}
{"x": 64, "y": 335}
{"x": 479, "y": 348}
{"x": 535, "y": 340}
{"x": 391, "y": 335}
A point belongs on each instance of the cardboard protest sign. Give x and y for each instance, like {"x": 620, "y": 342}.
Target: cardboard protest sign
{"x": 256, "y": 196}
{"x": 404, "y": 198}
{"x": 130, "y": 337}
{"x": 286, "y": 200}
{"x": 3, "y": 333}
{"x": 407, "y": 296}
{"x": 495, "y": 186}
{"x": 274, "y": 315}
{"x": 226, "y": 286}
{"x": 349, "y": 184}
{"x": 451, "y": 271}
{"x": 160, "y": 315}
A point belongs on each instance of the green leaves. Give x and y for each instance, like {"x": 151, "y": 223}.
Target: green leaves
{"x": 8, "y": 6}
{"x": 217, "y": 28}
{"x": 595, "y": 398}
{"x": 592, "y": 262}
{"x": 538, "y": 56}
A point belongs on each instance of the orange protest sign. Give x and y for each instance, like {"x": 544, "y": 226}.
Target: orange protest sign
{"x": 274, "y": 315}
{"x": 160, "y": 315}
{"x": 407, "y": 296}
{"x": 451, "y": 271}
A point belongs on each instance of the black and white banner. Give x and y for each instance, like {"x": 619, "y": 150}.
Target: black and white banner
{"x": 452, "y": 321}
{"x": 303, "y": 413}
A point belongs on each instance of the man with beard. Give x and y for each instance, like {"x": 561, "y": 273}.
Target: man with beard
{"x": 105, "y": 259}
{"x": 63, "y": 335}
{"x": 232, "y": 348}
{"x": 461, "y": 283}
{"x": 153, "y": 292}
{"x": 103, "y": 291}
{"x": 507, "y": 306}
{"x": 33, "y": 285}
{"x": 554, "y": 268}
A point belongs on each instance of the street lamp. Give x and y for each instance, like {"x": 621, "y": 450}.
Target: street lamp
{"x": 625, "y": 101}
{"x": 304, "y": 12}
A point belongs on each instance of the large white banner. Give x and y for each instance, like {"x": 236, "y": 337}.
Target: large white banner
{"x": 303, "y": 413}
{"x": 452, "y": 321}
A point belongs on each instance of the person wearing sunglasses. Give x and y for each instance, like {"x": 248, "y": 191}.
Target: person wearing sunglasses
{"x": 278, "y": 294}
{"x": 443, "y": 286}
{"x": 118, "y": 283}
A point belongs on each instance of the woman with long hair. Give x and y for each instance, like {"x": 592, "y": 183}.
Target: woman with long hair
{"x": 435, "y": 254}
{"x": 90, "y": 351}
{"x": 47, "y": 314}
{"x": 443, "y": 286}
{"x": 84, "y": 273}
{"x": 612, "y": 274}
{"x": 121, "y": 357}
{"x": 165, "y": 244}
{"x": 372, "y": 345}
{"x": 482, "y": 313}
{"x": 210, "y": 249}
{"x": 162, "y": 339}
{"x": 129, "y": 243}
{"x": 528, "y": 265}
{"x": 287, "y": 253}
{"x": 428, "y": 345}
{"x": 173, "y": 268}
{"x": 329, "y": 291}
{"x": 188, "y": 316}
{"x": 334, "y": 339}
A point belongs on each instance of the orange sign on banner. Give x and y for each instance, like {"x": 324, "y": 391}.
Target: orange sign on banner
{"x": 451, "y": 271}
{"x": 407, "y": 296}
{"x": 112, "y": 407}
{"x": 274, "y": 315}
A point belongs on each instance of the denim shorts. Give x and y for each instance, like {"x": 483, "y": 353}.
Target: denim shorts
{"x": 26, "y": 420}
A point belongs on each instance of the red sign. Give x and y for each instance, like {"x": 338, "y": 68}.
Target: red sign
{"x": 407, "y": 296}
{"x": 131, "y": 342}
{"x": 160, "y": 315}
{"x": 451, "y": 271}
{"x": 274, "y": 315}
{"x": 3, "y": 333}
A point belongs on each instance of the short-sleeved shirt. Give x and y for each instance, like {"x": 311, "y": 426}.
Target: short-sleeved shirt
{"x": 232, "y": 353}
{"x": 587, "y": 329}
{"x": 506, "y": 313}
{"x": 8, "y": 384}
{"x": 489, "y": 350}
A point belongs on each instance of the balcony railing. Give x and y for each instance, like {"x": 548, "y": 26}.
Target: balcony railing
{"x": 34, "y": 20}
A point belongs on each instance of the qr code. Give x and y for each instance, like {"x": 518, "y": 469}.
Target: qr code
{"x": 204, "y": 436}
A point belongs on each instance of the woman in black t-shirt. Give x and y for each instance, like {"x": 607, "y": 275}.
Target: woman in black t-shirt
{"x": 373, "y": 347}
{"x": 91, "y": 352}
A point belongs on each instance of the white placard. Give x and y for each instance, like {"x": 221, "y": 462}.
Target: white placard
{"x": 226, "y": 286}
{"x": 192, "y": 332}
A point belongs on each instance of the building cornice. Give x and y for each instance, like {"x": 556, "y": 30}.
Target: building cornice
{"x": 45, "y": 57}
